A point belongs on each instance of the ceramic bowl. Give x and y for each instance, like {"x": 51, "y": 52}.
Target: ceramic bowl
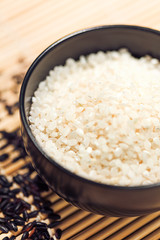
{"x": 86, "y": 194}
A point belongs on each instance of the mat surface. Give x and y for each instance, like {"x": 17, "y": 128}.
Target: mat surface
{"x": 26, "y": 28}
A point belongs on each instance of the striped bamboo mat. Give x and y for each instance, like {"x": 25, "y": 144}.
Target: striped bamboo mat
{"x": 26, "y": 28}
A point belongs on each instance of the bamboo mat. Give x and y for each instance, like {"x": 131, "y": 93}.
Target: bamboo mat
{"x": 28, "y": 27}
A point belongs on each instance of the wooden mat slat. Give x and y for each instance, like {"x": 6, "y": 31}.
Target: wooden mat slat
{"x": 80, "y": 225}
{"x": 94, "y": 228}
{"x": 145, "y": 230}
{"x": 133, "y": 226}
{"x": 154, "y": 235}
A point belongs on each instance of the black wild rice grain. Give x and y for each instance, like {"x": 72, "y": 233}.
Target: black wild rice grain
{"x": 8, "y": 209}
{"x": 38, "y": 205}
{"x": 25, "y": 216}
{"x": 16, "y": 210}
{"x": 11, "y": 194}
{"x": 4, "y": 182}
{"x": 17, "y": 217}
{"x": 9, "y": 206}
{"x": 3, "y": 228}
{"x": 25, "y": 236}
{"x": 9, "y": 213}
{"x": 2, "y": 220}
{"x": 33, "y": 214}
{"x": 5, "y": 238}
{"x": 36, "y": 237}
{"x": 46, "y": 209}
{"x": 3, "y": 157}
{"x": 37, "y": 198}
{"x": 28, "y": 227}
{"x": 46, "y": 235}
{"x": 26, "y": 205}
{"x": 32, "y": 232}
{"x": 3, "y": 196}
{"x": 53, "y": 224}
{"x": 12, "y": 238}
{"x": 14, "y": 139}
{"x": 3, "y": 203}
{"x": 17, "y": 158}
{"x": 25, "y": 191}
{"x": 58, "y": 233}
{"x": 41, "y": 225}
{"x": 4, "y": 190}
{"x": 47, "y": 203}
{"x": 8, "y": 135}
{"x": 18, "y": 179}
{"x": 12, "y": 226}
{"x": 16, "y": 190}
{"x": 19, "y": 222}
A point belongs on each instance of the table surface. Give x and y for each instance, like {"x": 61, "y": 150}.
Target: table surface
{"x": 27, "y": 28}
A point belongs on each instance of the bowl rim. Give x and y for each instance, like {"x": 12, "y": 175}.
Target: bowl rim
{"x": 24, "y": 117}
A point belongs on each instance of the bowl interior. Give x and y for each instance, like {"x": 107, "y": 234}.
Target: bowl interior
{"x": 139, "y": 41}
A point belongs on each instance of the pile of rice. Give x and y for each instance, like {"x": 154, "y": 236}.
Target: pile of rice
{"x": 99, "y": 117}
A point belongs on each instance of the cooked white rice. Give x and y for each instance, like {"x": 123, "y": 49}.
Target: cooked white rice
{"x": 100, "y": 117}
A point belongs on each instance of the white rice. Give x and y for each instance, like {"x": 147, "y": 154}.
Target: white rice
{"x": 99, "y": 117}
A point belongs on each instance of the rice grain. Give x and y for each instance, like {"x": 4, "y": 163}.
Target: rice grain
{"x": 100, "y": 117}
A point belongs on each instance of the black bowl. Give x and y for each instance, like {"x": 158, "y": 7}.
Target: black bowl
{"x": 89, "y": 195}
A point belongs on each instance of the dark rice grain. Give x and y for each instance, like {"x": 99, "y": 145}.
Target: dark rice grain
{"x": 16, "y": 210}
{"x": 4, "y": 182}
{"x": 28, "y": 227}
{"x": 25, "y": 216}
{"x": 13, "y": 226}
{"x": 16, "y": 191}
{"x": 32, "y": 232}
{"x": 33, "y": 214}
{"x": 19, "y": 222}
{"x": 26, "y": 205}
{"x": 41, "y": 225}
{"x": 58, "y": 233}
{"x": 46, "y": 235}
{"x": 4, "y": 190}
{"x": 3, "y": 204}
{"x": 53, "y": 224}
{"x": 3, "y": 196}
{"x": 12, "y": 238}
{"x": 2, "y": 220}
{"x": 3, "y": 228}
{"x": 25, "y": 236}
{"x": 18, "y": 179}
{"x": 54, "y": 216}
{"x": 3, "y": 157}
